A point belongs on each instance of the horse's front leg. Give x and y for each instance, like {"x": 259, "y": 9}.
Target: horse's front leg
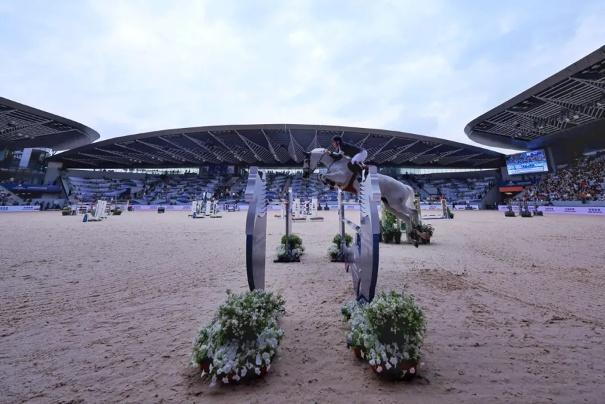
{"x": 333, "y": 180}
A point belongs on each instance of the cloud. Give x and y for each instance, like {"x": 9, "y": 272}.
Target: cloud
{"x": 425, "y": 67}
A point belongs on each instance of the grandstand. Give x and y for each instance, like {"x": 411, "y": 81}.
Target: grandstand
{"x": 582, "y": 180}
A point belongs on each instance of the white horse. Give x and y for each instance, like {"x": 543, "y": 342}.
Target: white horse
{"x": 398, "y": 198}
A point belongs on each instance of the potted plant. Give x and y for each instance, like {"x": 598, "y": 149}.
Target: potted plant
{"x": 422, "y": 233}
{"x": 335, "y": 250}
{"x": 66, "y": 211}
{"x": 387, "y": 333}
{"x": 390, "y": 228}
{"x": 241, "y": 340}
{"x": 290, "y": 249}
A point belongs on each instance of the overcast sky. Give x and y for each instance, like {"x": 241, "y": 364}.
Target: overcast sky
{"x": 427, "y": 67}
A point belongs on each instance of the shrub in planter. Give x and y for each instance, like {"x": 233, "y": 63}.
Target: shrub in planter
{"x": 450, "y": 214}
{"x": 334, "y": 251}
{"x": 389, "y": 229}
{"x": 422, "y": 234}
{"x": 66, "y": 211}
{"x": 294, "y": 240}
{"x": 387, "y": 333}
{"x": 290, "y": 249}
{"x": 116, "y": 211}
{"x": 241, "y": 340}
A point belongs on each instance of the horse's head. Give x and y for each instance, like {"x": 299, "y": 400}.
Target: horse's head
{"x": 312, "y": 160}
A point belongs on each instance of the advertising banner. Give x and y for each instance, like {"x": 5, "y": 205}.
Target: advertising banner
{"x": 567, "y": 210}
{"x": 27, "y": 208}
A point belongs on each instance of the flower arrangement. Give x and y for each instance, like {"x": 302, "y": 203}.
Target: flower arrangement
{"x": 422, "y": 233}
{"x": 241, "y": 340}
{"x": 335, "y": 251}
{"x": 290, "y": 249}
{"x": 387, "y": 333}
{"x": 390, "y": 231}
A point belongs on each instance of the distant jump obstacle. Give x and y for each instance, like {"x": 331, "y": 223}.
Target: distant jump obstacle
{"x": 443, "y": 212}
{"x": 305, "y": 210}
{"x": 523, "y": 209}
{"x": 362, "y": 257}
{"x": 205, "y": 207}
{"x": 509, "y": 209}
{"x": 288, "y": 216}
{"x": 525, "y": 212}
{"x": 99, "y": 213}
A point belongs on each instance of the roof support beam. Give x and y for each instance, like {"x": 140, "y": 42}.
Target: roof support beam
{"x": 172, "y": 156}
{"x": 182, "y": 149}
{"x": 294, "y": 147}
{"x": 97, "y": 157}
{"x": 271, "y": 149}
{"x": 227, "y": 148}
{"x": 197, "y": 142}
{"x": 152, "y": 159}
{"x": 118, "y": 154}
{"x": 568, "y": 105}
{"x": 591, "y": 83}
{"x": 403, "y": 149}
{"x": 414, "y": 157}
{"x": 448, "y": 153}
{"x": 462, "y": 158}
{"x": 385, "y": 144}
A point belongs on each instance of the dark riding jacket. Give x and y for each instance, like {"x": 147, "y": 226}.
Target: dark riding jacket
{"x": 346, "y": 149}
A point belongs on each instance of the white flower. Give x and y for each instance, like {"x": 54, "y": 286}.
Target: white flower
{"x": 379, "y": 369}
{"x": 412, "y": 370}
{"x": 213, "y": 381}
{"x": 243, "y": 372}
{"x": 257, "y": 371}
{"x": 258, "y": 360}
{"x": 388, "y": 366}
{"x": 225, "y": 380}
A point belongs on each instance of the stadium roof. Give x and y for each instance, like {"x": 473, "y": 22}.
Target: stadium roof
{"x": 569, "y": 103}
{"x": 278, "y": 145}
{"x": 22, "y": 126}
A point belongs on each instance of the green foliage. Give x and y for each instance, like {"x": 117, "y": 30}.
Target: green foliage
{"x": 334, "y": 251}
{"x": 294, "y": 241}
{"x": 338, "y": 239}
{"x": 389, "y": 230}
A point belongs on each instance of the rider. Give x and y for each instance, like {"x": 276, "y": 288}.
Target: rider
{"x": 346, "y": 149}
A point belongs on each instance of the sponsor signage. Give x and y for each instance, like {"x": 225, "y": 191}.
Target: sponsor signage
{"x": 569, "y": 210}
{"x": 168, "y": 208}
{"x": 27, "y": 208}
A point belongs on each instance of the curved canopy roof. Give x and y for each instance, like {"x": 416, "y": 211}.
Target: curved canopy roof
{"x": 277, "y": 145}
{"x": 569, "y": 103}
{"x": 22, "y": 126}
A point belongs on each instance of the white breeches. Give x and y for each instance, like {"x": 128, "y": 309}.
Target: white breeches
{"x": 360, "y": 157}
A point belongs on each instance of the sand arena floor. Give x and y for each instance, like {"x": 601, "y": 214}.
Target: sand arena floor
{"x": 106, "y": 312}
